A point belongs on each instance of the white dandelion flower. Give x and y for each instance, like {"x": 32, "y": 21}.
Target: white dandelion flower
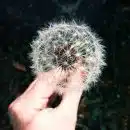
{"x": 61, "y": 44}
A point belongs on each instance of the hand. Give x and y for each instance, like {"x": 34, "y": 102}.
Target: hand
{"x": 30, "y": 112}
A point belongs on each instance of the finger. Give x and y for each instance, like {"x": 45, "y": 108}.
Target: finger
{"x": 37, "y": 95}
{"x": 35, "y": 98}
{"x": 51, "y": 79}
{"x": 71, "y": 98}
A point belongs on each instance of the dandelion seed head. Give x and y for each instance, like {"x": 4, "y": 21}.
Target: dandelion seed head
{"x": 61, "y": 44}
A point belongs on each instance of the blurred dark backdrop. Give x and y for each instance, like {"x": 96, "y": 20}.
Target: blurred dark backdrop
{"x": 106, "y": 106}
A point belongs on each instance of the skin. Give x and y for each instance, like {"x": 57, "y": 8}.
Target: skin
{"x": 30, "y": 112}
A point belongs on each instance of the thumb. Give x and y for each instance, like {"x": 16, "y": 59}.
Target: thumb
{"x": 72, "y": 96}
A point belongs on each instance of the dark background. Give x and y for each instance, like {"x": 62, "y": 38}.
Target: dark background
{"x": 107, "y": 105}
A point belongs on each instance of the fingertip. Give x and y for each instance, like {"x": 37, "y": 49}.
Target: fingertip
{"x": 79, "y": 73}
{"x": 57, "y": 74}
{"x": 83, "y": 74}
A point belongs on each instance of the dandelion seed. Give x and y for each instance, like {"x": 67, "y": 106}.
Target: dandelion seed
{"x": 61, "y": 44}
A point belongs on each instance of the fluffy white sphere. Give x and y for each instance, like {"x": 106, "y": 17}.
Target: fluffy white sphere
{"x": 60, "y": 44}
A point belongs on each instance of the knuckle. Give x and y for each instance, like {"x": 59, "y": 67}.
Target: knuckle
{"x": 15, "y": 107}
{"x": 11, "y": 107}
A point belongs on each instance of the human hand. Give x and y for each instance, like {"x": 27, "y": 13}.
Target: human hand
{"x": 30, "y": 112}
